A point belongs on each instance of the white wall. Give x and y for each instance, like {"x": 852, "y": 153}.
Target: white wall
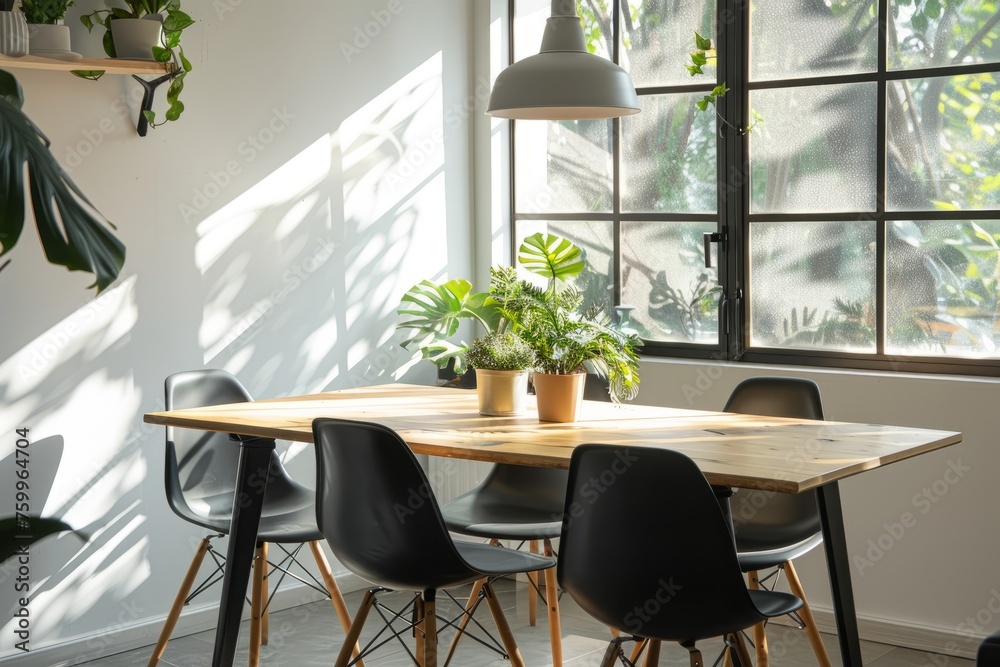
{"x": 917, "y": 585}
{"x": 286, "y": 271}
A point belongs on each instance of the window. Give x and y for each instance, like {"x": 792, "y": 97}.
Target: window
{"x": 851, "y": 177}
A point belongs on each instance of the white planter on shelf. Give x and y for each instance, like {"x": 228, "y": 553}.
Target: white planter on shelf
{"x": 135, "y": 38}
{"x": 13, "y": 34}
{"x": 49, "y": 40}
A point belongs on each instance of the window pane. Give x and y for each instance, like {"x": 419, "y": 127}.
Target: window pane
{"x": 942, "y": 290}
{"x": 596, "y": 239}
{"x": 813, "y": 285}
{"x": 813, "y": 149}
{"x": 563, "y": 166}
{"x": 658, "y": 38}
{"x": 673, "y": 296}
{"x": 944, "y": 152}
{"x": 800, "y": 38}
{"x": 668, "y": 160}
{"x": 935, "y": 33}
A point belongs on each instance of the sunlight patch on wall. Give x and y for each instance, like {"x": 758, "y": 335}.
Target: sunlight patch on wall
{"x": 68, "y": 346}
{"x": 218, "y": 232}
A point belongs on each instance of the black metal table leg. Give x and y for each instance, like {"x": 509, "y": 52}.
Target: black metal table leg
{"x": 254, "y": 470}
{"x": 838, "y": 561}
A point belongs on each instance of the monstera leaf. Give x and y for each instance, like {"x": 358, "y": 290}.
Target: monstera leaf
{"x": 434, "y": 312}
{"x": 14, "y": 535}
{"x": 551, "y": 257}
{"x": 72, "y": 232}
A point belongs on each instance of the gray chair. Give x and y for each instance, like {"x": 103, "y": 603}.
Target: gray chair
{"x": 521, "y": 504}
{"x": 200, "y": 480}
{"x": 772, "y": 529}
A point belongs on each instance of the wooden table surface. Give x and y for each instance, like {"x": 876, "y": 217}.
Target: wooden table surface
{"x": 787, "y": 455}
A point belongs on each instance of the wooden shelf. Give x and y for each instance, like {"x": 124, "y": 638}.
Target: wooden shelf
{"x": 109, "y": 65}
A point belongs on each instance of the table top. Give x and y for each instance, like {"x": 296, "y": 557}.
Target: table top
{"x": 746, "y": 451}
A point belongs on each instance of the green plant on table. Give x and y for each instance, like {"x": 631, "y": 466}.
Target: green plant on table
{"x": 171, "y": 52}
{"x": 72, "y": 232}
{"x": 501, "y": 352}
{"x": 549, "y": 319}
{"x": 45, "y": 11}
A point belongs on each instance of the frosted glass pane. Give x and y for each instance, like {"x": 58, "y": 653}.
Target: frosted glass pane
{"x": 658, "y": 37}
{"x": 942, "y": 292}
{"x": 944, "y": 153}
{"x": 672, "y": 295}
{"x": 596, "y": 239}
{"x": 563, "y": 166}
{"x": 814, "y": 149}
{"x": 813, "y": 285}
{"x": 936, "y": 33}
{"x": 669, "y": 156}
{"x": 801, "y": 38}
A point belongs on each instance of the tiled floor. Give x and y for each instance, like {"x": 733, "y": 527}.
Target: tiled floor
{"x": 311, "y": 635}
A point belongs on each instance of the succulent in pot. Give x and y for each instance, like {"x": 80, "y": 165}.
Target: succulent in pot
{"x": 502, "y": 362}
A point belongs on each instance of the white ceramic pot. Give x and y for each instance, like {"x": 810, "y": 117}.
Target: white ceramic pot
{"x": 44, "y": 39}
{"x": 13, "y": 34}
{"x": 501, "y": 393}
{"x": 135, "y": 38}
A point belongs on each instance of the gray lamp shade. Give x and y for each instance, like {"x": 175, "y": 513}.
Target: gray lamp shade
{"x": 564, "y": 81}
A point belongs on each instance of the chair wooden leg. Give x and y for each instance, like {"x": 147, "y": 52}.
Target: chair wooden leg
{"x": 265, "y": 618}
{"x": 653, "y": 654}
{"x": 355, "y": 632}
{"x": 552, "y": 602}
{"x": 506, "y": 636}
{"x": 727, "y": 660}
{"x": 637, "y": 650}
{"x": 256, "y": 604}
{"x": 533, "y": 593}
{"x": 759, "y": 632}
{"x": 334, "y": 591}
{"x": 178, "y": 606}
{"x": 418, "y": 628}
{"x": 819, "y": 648}
{"x": 430, "y": 631}
{"x": 611, "y": 654}
{"x": 473, "y": 596}
{"x": 740, "y": 647}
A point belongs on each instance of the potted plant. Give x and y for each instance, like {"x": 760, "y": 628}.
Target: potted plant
{"x": 502, "y": 362}
{"x": 47, "y": 36}
{"x": 147, "y": 30}
{"x": 566, "y": 341}
{"x": 13, "y": 31}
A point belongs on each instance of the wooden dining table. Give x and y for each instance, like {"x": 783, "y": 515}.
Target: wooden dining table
{"x": 732, "y": 450}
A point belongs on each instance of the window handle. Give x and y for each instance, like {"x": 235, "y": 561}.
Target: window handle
{"x": 709, "y": 238}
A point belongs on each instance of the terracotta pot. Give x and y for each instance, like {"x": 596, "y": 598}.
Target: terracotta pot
{"x": 559, "y": 396}
{"x": 502, "y": 393}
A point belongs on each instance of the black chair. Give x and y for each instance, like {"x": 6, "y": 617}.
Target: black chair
{"x": 772, "y": 529}
{"x": 647, "y": 550}
{"x": 376, "y": 509}
{"x": 200, "y": 481}
{"x": 989, "y": 652}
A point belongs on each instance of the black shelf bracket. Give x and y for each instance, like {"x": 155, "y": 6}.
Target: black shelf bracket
{"x": 149, "y": 91}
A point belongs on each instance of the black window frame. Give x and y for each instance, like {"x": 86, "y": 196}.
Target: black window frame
{"x": 733, "y": 214}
